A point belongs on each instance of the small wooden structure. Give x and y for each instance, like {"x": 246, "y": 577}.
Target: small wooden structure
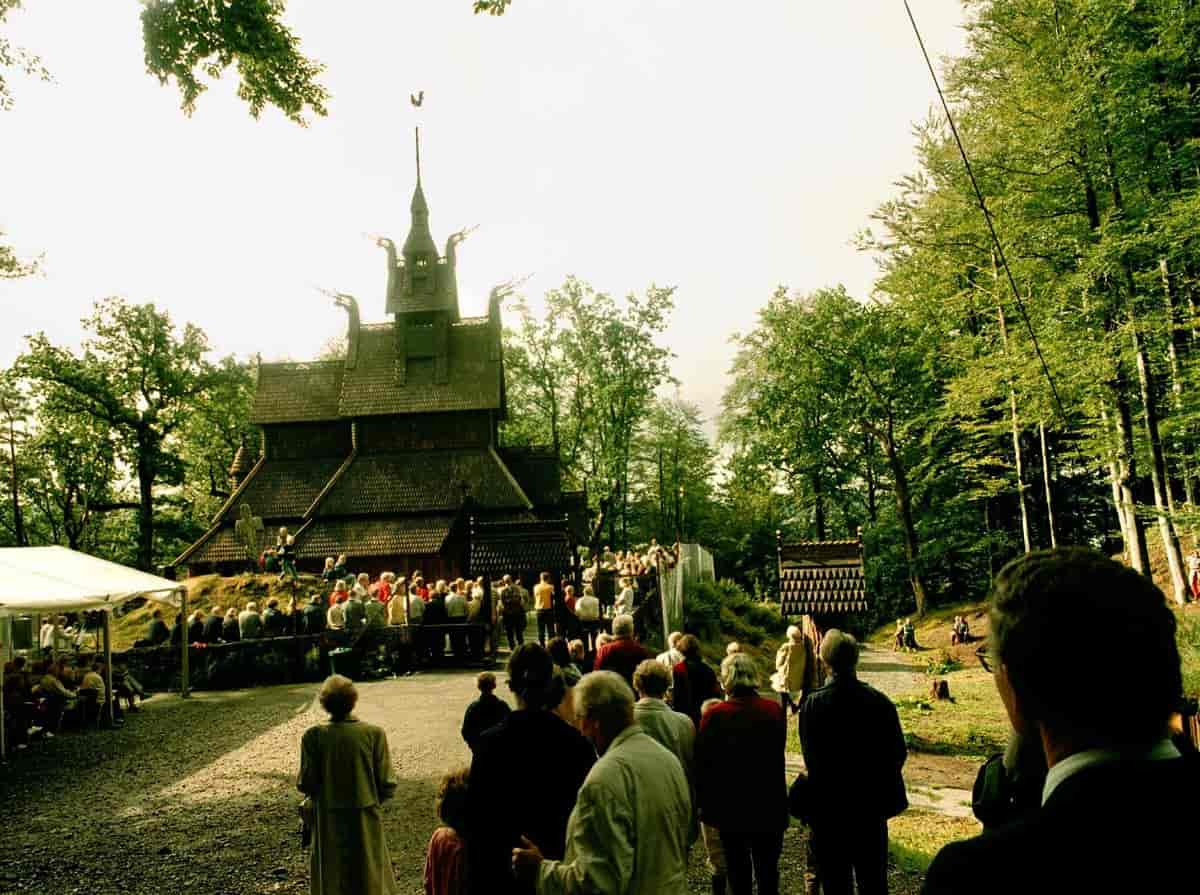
{"x": 822, "y": 581}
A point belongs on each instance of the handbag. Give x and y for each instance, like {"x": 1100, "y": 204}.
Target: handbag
{"x": 305, "y": 810}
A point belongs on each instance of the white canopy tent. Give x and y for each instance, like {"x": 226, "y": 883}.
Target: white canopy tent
{"x": 58, "y": 580}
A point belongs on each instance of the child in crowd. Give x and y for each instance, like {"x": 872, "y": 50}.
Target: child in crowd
{"x": 446, "y": 859}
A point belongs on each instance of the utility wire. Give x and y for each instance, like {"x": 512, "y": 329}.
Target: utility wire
{"x": 987, "y": 215}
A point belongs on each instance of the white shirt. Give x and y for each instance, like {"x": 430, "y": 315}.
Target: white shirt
{"x": 625, "y": 600}
{"x": 456, "y": 606}
{"x": 1163, "y": 750}
{"x": 670, "y": 658}
{"x": 46, "y": 636}
{"x": 587, "y": 609}
{"x": 628, "y": 832}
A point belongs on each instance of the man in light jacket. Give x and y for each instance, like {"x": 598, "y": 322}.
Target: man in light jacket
{"x": 628, "y": 832}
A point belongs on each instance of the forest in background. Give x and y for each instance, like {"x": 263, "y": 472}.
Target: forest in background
{"x": 956, "y": 416}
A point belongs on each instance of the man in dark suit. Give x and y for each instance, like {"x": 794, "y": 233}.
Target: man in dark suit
{"x": 158, "y": 631}
{"x": 1085, "y": 661}
{"x": 853, "y": 751}
{"x": 212, "y": 625}
{"x": 314, "y": 616}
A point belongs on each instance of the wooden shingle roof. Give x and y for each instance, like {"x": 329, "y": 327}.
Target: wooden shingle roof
{"x": 519, "y": 548}
{"x": 539, "y": 472}
{"x": 378, "y": 536}
{"x": 284, "y": 489}
{"x": 373, "y": 387}
{"x": 422, "y": 482}
{"x": 297, "y": 393}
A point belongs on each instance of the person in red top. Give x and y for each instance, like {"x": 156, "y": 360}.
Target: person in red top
{"x": 420, "y": 589}
{"x": 623, "y": 653}
{"x": 383, "y": 589}
{"x": 739, "y": 775}
{"x": 446, "y": 859}
{"x": 340, "y": 594}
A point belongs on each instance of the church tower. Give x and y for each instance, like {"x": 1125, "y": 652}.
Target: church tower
{"x": 422, "y": 290}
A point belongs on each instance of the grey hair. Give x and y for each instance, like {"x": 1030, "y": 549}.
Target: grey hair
{"x": 673, "y": 639}
{"x": 604, "y": 697}
{"x": 652, "y": 678}
{"x": 623, "y": 626}
{"x": 738, "y": 671}
{"x": 338, "y": 696}
{"x": 794, "y": 634}
{"x": 602, "y": 638}
{"x": 839, "y": 651}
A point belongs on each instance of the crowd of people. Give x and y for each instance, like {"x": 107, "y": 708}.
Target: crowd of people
{"x": 40, "y": 696}
{"x": 640, "y": 757}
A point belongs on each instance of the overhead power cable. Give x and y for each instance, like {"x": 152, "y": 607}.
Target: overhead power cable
{"x": 987, "y": 215}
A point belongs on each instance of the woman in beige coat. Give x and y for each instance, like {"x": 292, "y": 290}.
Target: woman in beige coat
{"x": 346, "y": 772}
{"x": 794, "y": 670}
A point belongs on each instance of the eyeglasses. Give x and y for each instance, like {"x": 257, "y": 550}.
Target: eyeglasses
{"x": 982, "y": 655}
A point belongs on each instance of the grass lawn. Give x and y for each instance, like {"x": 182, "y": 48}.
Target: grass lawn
{"x": 916, "y": 836}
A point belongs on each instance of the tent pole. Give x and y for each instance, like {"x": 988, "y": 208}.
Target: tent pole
{"x": 183, "y": 640}
{"x": 108, "y": 685}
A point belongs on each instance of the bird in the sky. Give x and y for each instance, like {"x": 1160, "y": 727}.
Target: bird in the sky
{"x": 417, "y": 99}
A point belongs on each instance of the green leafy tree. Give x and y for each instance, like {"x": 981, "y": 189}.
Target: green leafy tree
{"x": 138, "y": 376}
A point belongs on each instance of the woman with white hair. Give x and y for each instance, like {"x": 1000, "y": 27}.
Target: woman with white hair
{"x": 794, "y": 667}
{"x": 346, "y": 772}
{"x": 739, "y": 751}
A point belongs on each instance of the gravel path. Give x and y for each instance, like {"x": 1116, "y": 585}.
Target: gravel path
{"x": 889, "y": 671}
{"x": 198, "y": 796}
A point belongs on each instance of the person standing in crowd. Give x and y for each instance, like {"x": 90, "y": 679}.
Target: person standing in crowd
{"x": 272, "y": 619}
{"x": 446, "y": 857}
{"x": 1118, "y": 802}
{"x": 195, "y": 628}
{"x": 456, "y": 614}
{"x": 674, "y": 730}
{"x": 499, "y": 810}
{"x": 335, "y": 617}
{"x": 624, "y": 653}
{"x": 512, "y": 611}
{"x": 313, "y": 616}
{"x": 213, "y": 625}
{"x": 795, "y": 670}
{"x": 157, "y": 633}
{"x": 355, "y": 613}
{"x": 693, "y": 682}
{"x": 328, "y": 573}
{"x": 587, "y": 610}
{"x": 628, "y": 831}
{"x": 543, "y": 603}
{"x": 485, "y": 712}
{"x": 250, "y": 622}
{"x": 560, "y": 652}
{"x": 340, "y": 592}
{"x": 375, "y": 614}
{"x": 740, "y": 750}
{"x": 671, "y": 656}
{"x": 346, "y": 772}
{"x": 853, "y": 751}
{"x": 231, "y": 630}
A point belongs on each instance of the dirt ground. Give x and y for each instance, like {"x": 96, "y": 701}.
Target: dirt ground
{"x": 198, "y": 796}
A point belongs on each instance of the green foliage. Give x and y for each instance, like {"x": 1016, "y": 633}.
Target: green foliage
{"x": 188, "y": 40}
{"x": 721, "y": 609}
{"x": 941, "y": 663}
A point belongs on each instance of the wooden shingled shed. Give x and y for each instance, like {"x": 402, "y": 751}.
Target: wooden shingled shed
{"x": 387, "y": 453}
{"x": 821, "y": 580}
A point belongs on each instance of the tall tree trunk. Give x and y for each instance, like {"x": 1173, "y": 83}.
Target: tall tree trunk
{"x": 987, "y": 527}
{"x": 1158, "y": 466}
{"x": 818, "y": 505}
{"x": 872, "y": 486}
{"x": 145, "y": 475}
{"x": 1175, "y": 346}
{"x": 1046, "y": 480}
{"x": 19, "y": 532}
{"x": 1139, "y": 556}
{"x": 912, "y": 551}
{"x": 1022, "y": 503}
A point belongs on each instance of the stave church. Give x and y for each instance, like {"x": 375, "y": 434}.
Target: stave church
{"x": 392, "y": 454}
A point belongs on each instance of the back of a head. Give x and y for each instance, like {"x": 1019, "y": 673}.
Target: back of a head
{"x": 622, "y": 626}
{"x": 652, "y": 678}
{"x": 451, "y": 800}
{"x": 1088, "y": 646}
{"x": 604, "y": 697}
{"x": 839, "y": 651}
{"x": 739, "y": 673}
{"x": 338, "y": 696}
{"x": 486, "y": 682}
{"x": 673, "y": 639}
{"x": 689, "y": 645}
{"x": 559, "y": 651}
{"x": 531, "y": 676}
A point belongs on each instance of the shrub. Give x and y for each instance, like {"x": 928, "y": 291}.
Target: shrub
{"x": 721, "y": 608}
{"x": 941, "y": 663}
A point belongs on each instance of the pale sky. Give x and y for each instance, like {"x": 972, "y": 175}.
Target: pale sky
{"x": 722, "y": 148}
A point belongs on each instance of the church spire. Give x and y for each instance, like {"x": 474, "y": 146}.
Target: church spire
{"x": 420, "y": 251}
